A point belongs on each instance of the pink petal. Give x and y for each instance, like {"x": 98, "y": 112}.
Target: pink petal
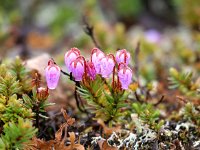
{"x": 52, "y": 76}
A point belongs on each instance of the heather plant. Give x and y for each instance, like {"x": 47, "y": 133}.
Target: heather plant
{"x": 10, "y": 91}
{"x": 22, "y": 75}
{"x": 183, "y": 82}
{"x": 188, "y": 86}
{"x": 148, "y": 114}
{"x": 104, "y": 82}
{"x": 191, "y": 113}
{"x": 105, "y": 92}
{"x": 119, "y": 99}
{"x": 37, "y": 102}
{"x": 21, "y": 102}
{"x": 105, "y": 96}
{"x": 17, "y": 135}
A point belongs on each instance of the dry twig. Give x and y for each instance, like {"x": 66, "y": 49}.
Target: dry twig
{"x": 89, "y": 30}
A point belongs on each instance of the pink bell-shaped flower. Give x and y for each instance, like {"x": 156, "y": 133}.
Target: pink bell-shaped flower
{"x": 122, "y": 56}
{"x": 70, "y": 56}
{"x": 52, "y": 73}
{"x": 96, "y": 57}
{"x": 78, "y": 68}
{"x": 125, "y": 75}
{"x": 90, "y": 69}
{"x": 107, "y": 65}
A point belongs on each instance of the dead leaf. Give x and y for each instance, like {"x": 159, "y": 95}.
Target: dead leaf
{"x": 65, "y": 115}
{"x": 59, "y": 142}
{"x": 108, "y": 131}
{"x": 74, "y": 146}
{"x": 103, "y": 145}
{"x": 70, "y": 121}
{"x": 58, "y": 135}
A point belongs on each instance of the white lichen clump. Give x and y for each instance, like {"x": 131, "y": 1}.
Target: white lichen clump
{"x": 130, "y": 140}
{"x": 96, "y": 139}
{"x": 186, "y": 125}
{"x": 115, "y": 138}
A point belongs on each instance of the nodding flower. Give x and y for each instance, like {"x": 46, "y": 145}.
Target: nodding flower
{"x": 125, "y": 75}
{"x": 96, "y": 57}
{"x": 52, "y": 73}
{"x": 90, "y": 69}
{"x": 123, "y": 56}
{"x": 70, "y": 56}
{"x": 107, "y": 65}
{"x": 78, "y": 68}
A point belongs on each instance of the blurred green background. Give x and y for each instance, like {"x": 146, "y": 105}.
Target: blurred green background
{"x": 164, "y": 28}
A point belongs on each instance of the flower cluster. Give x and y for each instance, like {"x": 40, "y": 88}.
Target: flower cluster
{"x": 99, "y": 63}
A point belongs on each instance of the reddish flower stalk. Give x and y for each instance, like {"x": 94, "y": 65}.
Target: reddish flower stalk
{"x": 113, "y": 80}
{"x": 90, "y": 70}
{"x": 122, "y": 56}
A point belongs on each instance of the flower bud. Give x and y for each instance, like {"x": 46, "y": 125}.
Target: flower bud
{"x": 52, "y": 73}
{"x": 96, "y": 57}
{"x": 42, "y": 93}
{"x": 125, "y": 76}
{"x": 78, "y": 68}
{"x": 122, "y": 56}
{"x": 70, "y": 56}
{"x": 107, "y": 65}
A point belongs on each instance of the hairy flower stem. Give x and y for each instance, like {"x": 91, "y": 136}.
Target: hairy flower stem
{"x": 77, "y": 100}
{"x": 69, "y": 75}
{"x": 65, "y": 73}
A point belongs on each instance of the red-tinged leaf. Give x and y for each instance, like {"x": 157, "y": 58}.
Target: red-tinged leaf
{"x": 108, "y": 131}
{"x": 74, "y": 146}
